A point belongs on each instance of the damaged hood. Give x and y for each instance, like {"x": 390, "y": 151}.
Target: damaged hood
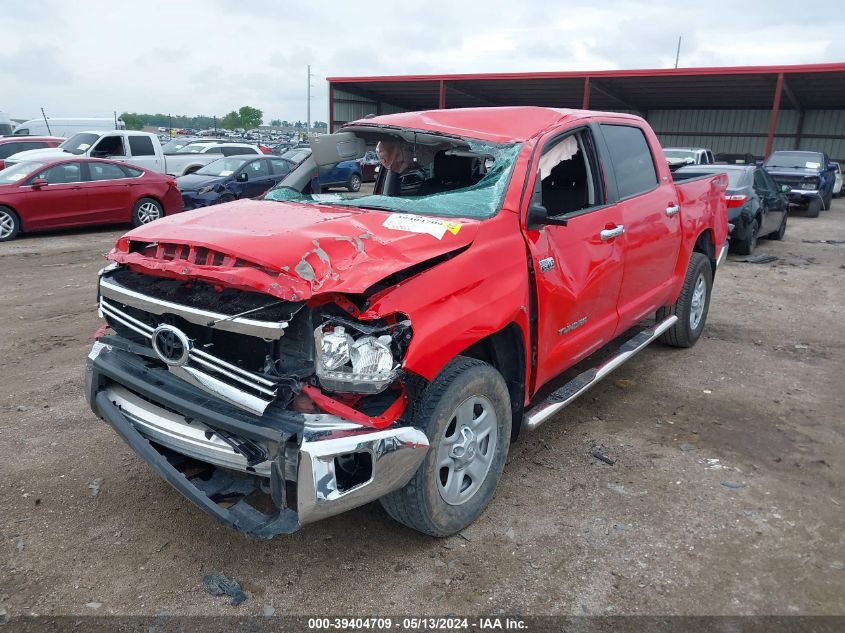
{"x": 290, "y": 250}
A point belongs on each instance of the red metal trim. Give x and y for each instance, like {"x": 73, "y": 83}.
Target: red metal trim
{"x": 442, "y": 100}
{"x": 335, "y": 407}
{"x": 652, "y": 72}
{"x": 585, "y": 103}
{"x": 773, "y": 120}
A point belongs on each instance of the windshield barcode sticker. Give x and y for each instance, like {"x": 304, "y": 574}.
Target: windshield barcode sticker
{"x": 419, "y": 224}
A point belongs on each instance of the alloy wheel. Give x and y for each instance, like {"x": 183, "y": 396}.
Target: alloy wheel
{"x": 466, "y": 450}
{"x": 7, "y": 224}
{"x": 148, "y": 212}
{"x": 699, "y": 300}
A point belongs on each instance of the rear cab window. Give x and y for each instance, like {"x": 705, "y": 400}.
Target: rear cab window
{"x": 631, "y": 158}
{"x": 141, "y": 146}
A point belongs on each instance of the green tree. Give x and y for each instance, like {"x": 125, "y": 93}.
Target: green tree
{"x": 133, "y": 121}
{"x": 250, "y": 117}
{"x": 231, "y": 121}
{"x": 276, "y": 123}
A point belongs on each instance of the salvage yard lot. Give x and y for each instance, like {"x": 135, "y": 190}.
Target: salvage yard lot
{"x": 725, "y": 495}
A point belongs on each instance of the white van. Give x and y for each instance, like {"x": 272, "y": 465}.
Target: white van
{"x": 66, "y": 127}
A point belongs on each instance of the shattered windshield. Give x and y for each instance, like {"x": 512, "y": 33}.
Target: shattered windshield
{"x": 465, "y": 178}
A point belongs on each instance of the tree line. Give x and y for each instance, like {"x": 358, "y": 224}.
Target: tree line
{"x": 245, "y": 117}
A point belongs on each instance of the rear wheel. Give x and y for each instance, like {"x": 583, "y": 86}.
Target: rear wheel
{"x": 813, "y": 208}
{"x": 692, "y": 305}
{"x": 10, "y": 224}
{"x": 748, "y": 243}
{"x": 146, "y": 210}
{"x": 354, "y": 183}
{"x": 466, "y": 414}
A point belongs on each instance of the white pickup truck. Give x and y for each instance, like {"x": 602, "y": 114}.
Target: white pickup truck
{"x": 138, "y": 148}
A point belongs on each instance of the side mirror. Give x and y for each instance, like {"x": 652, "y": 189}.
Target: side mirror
{"x": 785, "y": 188}
{"x": 38, "y": 183}
{"x": 242, "y": 177}
{"x": 539, "y": 216}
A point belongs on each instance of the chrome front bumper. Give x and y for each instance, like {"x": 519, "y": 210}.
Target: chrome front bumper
{"x": 307, "y": 460}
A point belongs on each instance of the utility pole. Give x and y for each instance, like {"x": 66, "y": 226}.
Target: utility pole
{"x": 678, "y": 53}
{"x": 46, "y": 122}
{"x": 308, "y": 129}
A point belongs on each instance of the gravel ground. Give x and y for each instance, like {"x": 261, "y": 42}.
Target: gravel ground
{"x": 726, "y": 495}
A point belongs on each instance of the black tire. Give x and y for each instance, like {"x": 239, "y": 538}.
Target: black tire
{"x": 813, "y": 208}
{"x": 781, "y": 232}
{"x": 683, "y": 333}
{"x": 420, "y": 504}
{"x": 748, "y": 243}
{"x": 354, "y": 183}
{"x": 827, "y": 200}
{"x": 146, "y": 210}
{"x": 10, "y": 224}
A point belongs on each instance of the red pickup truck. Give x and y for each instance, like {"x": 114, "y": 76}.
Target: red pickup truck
{"x": 285, "y": 359}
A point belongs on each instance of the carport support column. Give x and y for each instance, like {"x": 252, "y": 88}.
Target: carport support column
{"x": 331, "y": 108}
{"x": 773, "y": 120}
{"x": 585, "y": 102}
{"x": 441, "y": 102}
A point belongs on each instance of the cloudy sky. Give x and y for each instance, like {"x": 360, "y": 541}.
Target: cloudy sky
{"x": 91, "y": 57}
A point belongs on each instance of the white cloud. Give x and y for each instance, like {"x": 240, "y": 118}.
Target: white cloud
{"x": 212, "y": 56}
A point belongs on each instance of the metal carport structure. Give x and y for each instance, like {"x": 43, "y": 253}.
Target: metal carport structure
{"x": 753, "y": 109}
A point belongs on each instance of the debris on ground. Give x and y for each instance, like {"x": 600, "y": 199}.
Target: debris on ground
{"x": 732, "y": 485}
{"x": 268, "y": 612}
{"x": 625, "y": 383}
{"x": 686, "y": 447}
{"x": 602, "y": 457}
{"x": 93, "y": 605}
{"x": 22, "y": 408}
{"x": 218, "y": 584}
{"x": 823, "y": 241}
{"x": 759, "y": 259}
{"x": 95, "y": 486}
{"x": 19, "y": 544}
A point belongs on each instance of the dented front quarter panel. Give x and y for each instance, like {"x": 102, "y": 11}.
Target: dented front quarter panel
{"x": 287, "y": 250}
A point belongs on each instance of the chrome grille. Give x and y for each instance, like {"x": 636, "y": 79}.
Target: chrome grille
{"x": 222, "y": 379}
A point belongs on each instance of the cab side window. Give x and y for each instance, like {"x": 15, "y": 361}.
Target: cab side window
{"x": 61, "y": 174}
{"x": 568, "y": 174}
{"x": 631, "y": 158}
{"x": 109, "y": 146}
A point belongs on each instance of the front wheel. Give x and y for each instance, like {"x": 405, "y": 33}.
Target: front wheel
{"x": 748, "y": 243}
{"x": 814, "y": 207}
{"x": 781, "y": 232}
{"x": 692, "y": 305}
{"x": 146, "y": 210}
{"x": 354, "y": 183}
{"x": 10, "y": 224}
{"x": 466, "y": 414}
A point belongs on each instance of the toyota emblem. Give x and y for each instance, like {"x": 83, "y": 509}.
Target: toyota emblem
{"x": 171, "y": 345}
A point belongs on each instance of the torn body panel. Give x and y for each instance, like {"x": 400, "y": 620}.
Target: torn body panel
{"x": 287, "y": 250}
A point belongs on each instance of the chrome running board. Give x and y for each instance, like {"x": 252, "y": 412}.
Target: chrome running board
{"x": 559, "y": 398}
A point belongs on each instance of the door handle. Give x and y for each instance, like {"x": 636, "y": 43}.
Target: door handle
{"x": 609, "y": 234}
{"x": 673, "y": 210}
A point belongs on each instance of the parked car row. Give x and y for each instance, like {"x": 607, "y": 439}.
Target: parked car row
{"x": 80, "y": 191}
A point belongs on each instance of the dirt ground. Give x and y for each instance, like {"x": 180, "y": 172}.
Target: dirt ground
{"x": 726, "y": 495}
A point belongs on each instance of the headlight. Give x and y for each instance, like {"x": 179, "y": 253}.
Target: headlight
{"x": 363, "y": 363}
{"x": 207, "y": 189}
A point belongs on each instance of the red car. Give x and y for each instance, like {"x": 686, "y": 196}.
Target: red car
{"x": 13, "y": 144}
{"x": 70, "y": 192}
